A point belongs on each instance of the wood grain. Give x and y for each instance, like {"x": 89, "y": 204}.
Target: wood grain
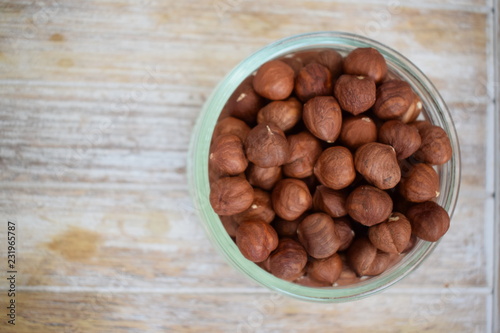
{"x": 98, "y": 100}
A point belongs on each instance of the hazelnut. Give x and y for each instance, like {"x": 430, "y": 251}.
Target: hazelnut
{"x": 347, "y": 275}
{"x": 231, "y": 125}
{"x": 391, "y": 236}
{"x": 332, "y": 60}
{"x": 435, "y": 148}
{"x": 227, "y": 156}
{"x": 291, "y": 198}
{"x": 358, "y": 130}
{"x": 244, "y": 103}
{"x": 288, "y": 260}
{"x": 394, "y": 97}
{"x": 323, "y": 118}
{"x": 355, "y": 94}
{"x": 402, "y": 137}
{"x": 294, "y": 62}
{"x": 365, "y": 259}
{"x": 230, "y": 224}
{"x": 256, "y": 240}
{"x": 284, "y": 114}
{"x": 261, "y": 208}
{"x": 429, "y": 221}
{"x": 335, "y": 168}
{"x": 420, "y": 183}
{"x": 274, "y": 80}
{"x": 344, "y": 232}
{"x": 313, "y": 80}
{"x": 412, "y": 113}
{"x": 266, "y": 146}
{"x": 420, "y": 124}
{"x": 369, "y": 205}
{"x": 377, "y": 162}
{"x": 317, "y": 234}
{"x": 230, "y": 195}
{"x": 304, "y": 152}
{"x": 329, "y": 201}
{"x": 366, "y": 61}
{"x": 286, "y": 228}
{"x": 265, "y": 178}
{"x": 325, "y": 270}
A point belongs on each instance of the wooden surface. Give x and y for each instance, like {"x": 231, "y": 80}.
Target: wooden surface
{"x": 97, "y": 103}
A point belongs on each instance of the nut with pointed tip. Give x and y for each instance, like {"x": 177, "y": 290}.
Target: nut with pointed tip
{"x": 284, "y": 114}
{"x": 378, "y": 164}
{"x": 274, "y": 80}
{"x": 332, "y": 60}
{"x": 244, "y": 103}
{"x": 344, "y": 232}
{"x": 394, "y": 97}
{"x": 317, "y": 234}
{"x": 304, "y": 152}
{"x": 313, "y": 80}
{"x": 365, "y": 259}
{"x": 402, "y": 137}
{"x": 420, "y": 183}
{"x": 358, "y": 130}
{"x": 330, "y": 201}
{"x": 266, "y": 146}
{"x": 323, "y": 118}
{"x": 256, "y": 240}
{"x": 429, "y": 221}
{"x": 435, "y": 148}
{"x": 412, "y": 113}
{"x": 261, "y": 208}
{"x": 366, "y": 61}
{"x": 288, "y": 260}
{"x": 231, "y": 125}
{"x": 325, "y": 270}
{"x": 230, "y": 195}
{"x": 265, "y": 178}
{"x": 391, "y": 236}
{"x": 335, "y": 168}
{"x": 369, "y": 205}
{"x": 227, "y": 156}
{"x": 291, "y": 198}
{"x": 355, "y": 93}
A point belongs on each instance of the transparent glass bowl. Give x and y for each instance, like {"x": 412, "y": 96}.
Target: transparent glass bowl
{"x": 435, "y": 110}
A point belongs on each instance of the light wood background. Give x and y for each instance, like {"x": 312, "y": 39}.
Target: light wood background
{"x": 97, "y": 103}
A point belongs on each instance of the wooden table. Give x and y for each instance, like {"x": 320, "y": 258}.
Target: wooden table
{"x": 97, "y": 104}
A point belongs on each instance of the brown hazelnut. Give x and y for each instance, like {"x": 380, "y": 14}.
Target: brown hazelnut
{"x": 332, "y": 60}
{"x": 435, "y": 148}
{"x": 355, "y": 94}
{"x": 347, "y": 275}
{"x": 286, "y": 228}
{"x": 291, "y": 198}
{"x": 244, "y": 103}
{"x": 261, "y": 208}
{"x": 313, "y": 80}
{"x": 420, "y": 124}
{"x": 412, "y": 113}
{"x": 323, "y": 118}
{"x": 288, "y": 260}
{"x": 325, "y": 270}
{"x": 394, "y": 97}
{"x": 304, "y": 152}
{"x": 391, "y": 236}
{"x": 402, "y": 137}
{"x": 377, "y": 162}
{"x": 344, "y": 232}
{"x": 369, "y": 205}
{"x": 256, "y": 240}
{"x": 230, "y": 224}
{"x": 358, "y": 130}
{"x": 231, "y": 125}
{"x": 335, "y": 168}
{"x": 420, "y": 183}
{"x": 230, "y": 195}
{"x": 266, "y": 146}
{"x": 227, "y": 156}
{"x": 265, "y": 178}
{"x": 317, "y": 234}
{"x": 294, "y": 62}
{"x": 429, "y": 221}
{"x": 329, "y": 201}
{"x": 365, "y": 259}
{"x": 274, "y": 80}
{"x": 366, "y": 61}
{"x": 284, "y": 114}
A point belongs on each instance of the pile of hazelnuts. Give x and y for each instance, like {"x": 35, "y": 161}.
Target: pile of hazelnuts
{"x": 320, "y": 170}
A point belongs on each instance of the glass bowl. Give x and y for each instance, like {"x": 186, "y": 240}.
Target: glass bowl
{"x": 435, "y": 111}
